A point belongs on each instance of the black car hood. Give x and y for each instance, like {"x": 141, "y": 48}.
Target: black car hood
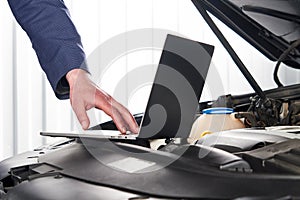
{"x": 281, "y": 17}
{"x": 268, "y": 25}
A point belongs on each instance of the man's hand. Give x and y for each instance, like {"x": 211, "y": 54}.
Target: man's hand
{"x": 84, "y": 95}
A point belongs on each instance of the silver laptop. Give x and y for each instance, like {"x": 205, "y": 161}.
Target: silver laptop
{"x": 174, "y": 96}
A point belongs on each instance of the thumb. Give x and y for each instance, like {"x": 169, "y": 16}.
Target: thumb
{"x": 81, "y": 115}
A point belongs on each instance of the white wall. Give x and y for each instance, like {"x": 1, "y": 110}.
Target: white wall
{"x": 27, "y": 103}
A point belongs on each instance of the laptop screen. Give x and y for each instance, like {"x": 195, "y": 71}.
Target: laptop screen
{"x": 177, "y": 88}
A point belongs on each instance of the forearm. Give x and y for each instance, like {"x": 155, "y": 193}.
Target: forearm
{"x": 54, "y": 38}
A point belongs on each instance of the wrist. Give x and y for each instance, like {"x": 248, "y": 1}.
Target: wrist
{"x": 73, "y": 74}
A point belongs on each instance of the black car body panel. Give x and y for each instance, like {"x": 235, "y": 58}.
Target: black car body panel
{"x": 270, "y": 35}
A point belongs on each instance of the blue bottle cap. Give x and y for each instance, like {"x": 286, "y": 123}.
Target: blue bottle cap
{"x": 218, "y": 110}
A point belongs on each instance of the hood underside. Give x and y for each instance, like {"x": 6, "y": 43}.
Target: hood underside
{"x": 271, "y": 26}
{"x": 281, "y": 17}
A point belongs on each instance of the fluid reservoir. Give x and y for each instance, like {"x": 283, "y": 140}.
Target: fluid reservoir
{"x": 214, "y": 120}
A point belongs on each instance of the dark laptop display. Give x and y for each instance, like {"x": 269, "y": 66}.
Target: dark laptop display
{"x": 177, "y": 88}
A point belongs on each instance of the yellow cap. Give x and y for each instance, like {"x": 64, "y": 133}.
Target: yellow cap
{"x": 205, "y": 133}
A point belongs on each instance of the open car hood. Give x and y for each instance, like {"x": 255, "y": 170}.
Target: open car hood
{"x": 271, "y": 26}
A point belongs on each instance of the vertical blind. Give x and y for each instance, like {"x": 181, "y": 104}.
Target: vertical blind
{"x": 27, "y": 103}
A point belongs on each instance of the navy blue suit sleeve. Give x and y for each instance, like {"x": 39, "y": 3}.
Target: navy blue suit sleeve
{"x": 54, "y": 39}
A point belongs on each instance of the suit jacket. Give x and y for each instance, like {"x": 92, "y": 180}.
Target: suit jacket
{"x": 54, "y": 39}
